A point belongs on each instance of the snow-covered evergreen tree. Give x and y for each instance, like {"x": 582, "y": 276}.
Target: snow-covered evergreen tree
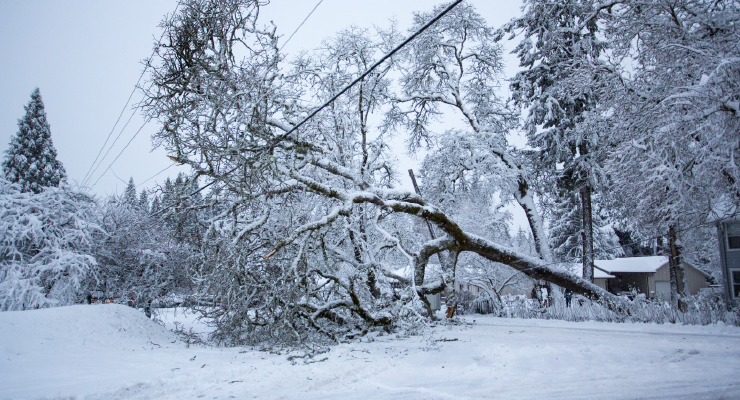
{"x": 129, "y": 195}
{"x": 46, "y": 246}
{"x": 144, "y": 201}
{"x": 566, "y": 228}
{"x": 155, "y": 205}
{"x": 566, "y": 231}
{"x": 31, "y": 159}
{"x": 560, "y": 50}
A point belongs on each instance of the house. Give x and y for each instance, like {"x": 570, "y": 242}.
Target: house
{"x": 729, "y": 238}
{"x": 601, "y": 277}
{"x": 648, "y": 275}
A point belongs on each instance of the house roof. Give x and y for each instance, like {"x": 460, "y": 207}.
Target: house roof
{"x": 577, "y": 269}
{"x": 632, "y": 264}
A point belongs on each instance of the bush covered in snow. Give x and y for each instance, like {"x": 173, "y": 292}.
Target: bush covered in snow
{"x": 46, "y": 246}
{"x": 706, "y": 307}
{"x": 138, "y": 256}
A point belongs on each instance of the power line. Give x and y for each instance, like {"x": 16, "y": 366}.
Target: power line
{"x": 299, "y": 26}
{"x": 366, "y": 73}
{"x": 155, "y": 175}
{"x": 114, "y": 128}
{"x": 119, "y": 154}
{"x": 91, "y": 171}
{"x": 282, "y": 137}
{"x": 119, "y": 178}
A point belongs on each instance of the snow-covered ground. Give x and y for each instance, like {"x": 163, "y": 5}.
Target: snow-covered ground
{"x": 114, "y": 352}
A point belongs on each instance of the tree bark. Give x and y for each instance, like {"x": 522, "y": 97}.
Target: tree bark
{"x": 588, "y": 234}
{"x": 681, "y": 290}
{"x": 673, "y": 256}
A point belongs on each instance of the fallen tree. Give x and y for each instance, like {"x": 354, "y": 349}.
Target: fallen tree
{"x": 310, "y": 240}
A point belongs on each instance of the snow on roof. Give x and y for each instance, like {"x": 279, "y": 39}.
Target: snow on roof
{"x": 632, "y": 264}
{"x": 577, "y": 269}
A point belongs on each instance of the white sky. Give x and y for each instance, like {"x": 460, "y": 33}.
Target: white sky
{"x": 85, "y": 57}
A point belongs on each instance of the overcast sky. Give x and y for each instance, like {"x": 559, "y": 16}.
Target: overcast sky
{"x": 85, "y": 56}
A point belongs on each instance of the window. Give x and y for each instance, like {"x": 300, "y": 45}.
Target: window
{"x": 733, "y": 236}
{"x": 735, "y": 283}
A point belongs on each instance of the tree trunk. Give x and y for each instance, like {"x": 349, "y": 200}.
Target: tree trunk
{"x": 588, "y": 234}
{"x": 447, "y": 263}
{"x": 672, "y": 266}
{"x": 526, "y": 200}
{"x": 677, "y": 268}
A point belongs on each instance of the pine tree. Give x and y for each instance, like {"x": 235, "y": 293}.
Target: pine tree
{"x": 129, "y": 195}
{"x": 144, "y": 201}
{"x": 155, "y": 205}
{"x": 31, "y": 159}
{"x": 566, "y": 227}
{"x": 560, "y": 50}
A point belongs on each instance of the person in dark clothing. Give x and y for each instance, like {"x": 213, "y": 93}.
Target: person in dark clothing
{"x": 568, "y": 297}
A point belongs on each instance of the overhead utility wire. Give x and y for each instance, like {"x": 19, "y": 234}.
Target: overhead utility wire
{"x": 95, "y": 169}
{"x": 119, "y": 154}
{"x": 132, "y": 93}
{"x": 155, "y": 175}
{"x": 336, "y": 96}
{"x": 114, "y": 128}
{"x": 299, "y": 26}
{"x": 91, "y": 171}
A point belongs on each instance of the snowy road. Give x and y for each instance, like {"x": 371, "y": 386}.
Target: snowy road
{"x": 113, "y": 352}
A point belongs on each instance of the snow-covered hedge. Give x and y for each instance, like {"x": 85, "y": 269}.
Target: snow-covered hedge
{"x": 45, "y": 246}
{"x": 706, "y": 307}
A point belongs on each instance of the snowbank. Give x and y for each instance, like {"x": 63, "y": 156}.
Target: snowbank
{"x": 114, "y": 352}
{"x": 76, "y": 349}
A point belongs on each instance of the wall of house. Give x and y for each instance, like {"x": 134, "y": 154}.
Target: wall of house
{"x": 661, "y": 275}
{"x": 466, "y": 286}
{"x": 695, "y": 278}
{"x": 601, "y": 282}
{"x": 435, "y": 301}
